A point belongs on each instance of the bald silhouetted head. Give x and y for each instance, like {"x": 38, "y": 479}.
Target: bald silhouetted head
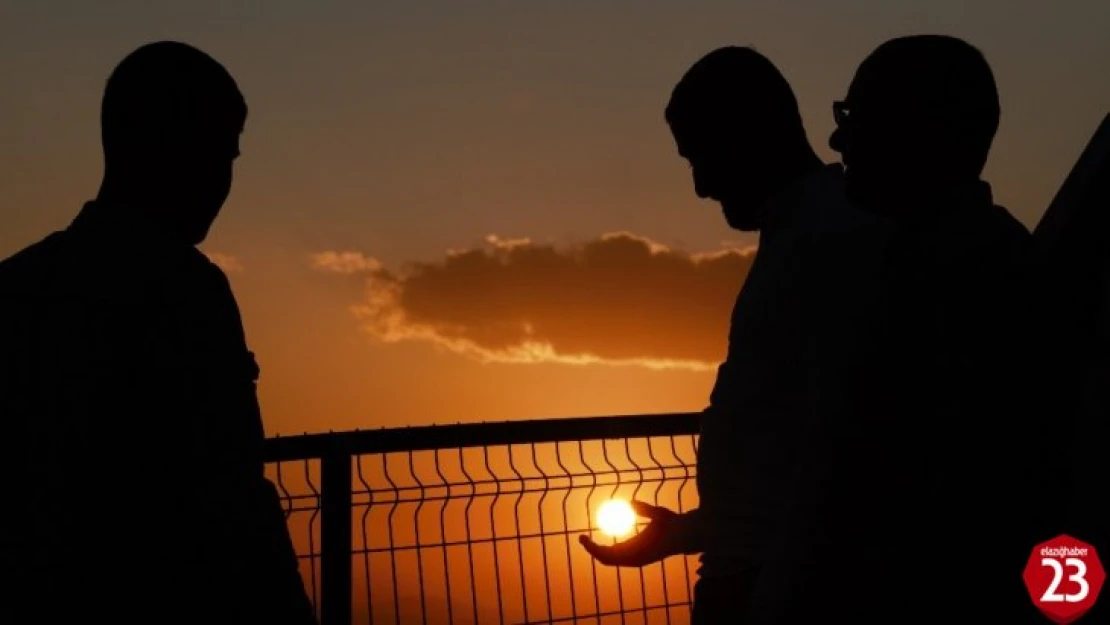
{"x": 736, "y": 120}
{"x": 920, "y": 117}
{"x": 170, "y": 124}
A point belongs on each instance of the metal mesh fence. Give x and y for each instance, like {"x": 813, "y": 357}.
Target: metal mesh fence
{"x": 478, "y": 523}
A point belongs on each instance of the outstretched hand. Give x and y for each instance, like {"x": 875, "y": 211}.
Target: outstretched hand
{"x": 664, "y": 536}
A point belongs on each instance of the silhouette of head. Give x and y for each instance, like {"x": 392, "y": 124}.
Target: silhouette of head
{"x": 170, "y": 124}
{"x": 920, "y": 116}
{"x": 735, "y": 119}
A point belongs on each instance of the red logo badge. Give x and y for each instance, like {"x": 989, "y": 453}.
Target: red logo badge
{"x": 1064, "y": 577}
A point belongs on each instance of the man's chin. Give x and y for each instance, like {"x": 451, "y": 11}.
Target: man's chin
{"x": 742, "y": 223}
{"x": 196, "y": 235}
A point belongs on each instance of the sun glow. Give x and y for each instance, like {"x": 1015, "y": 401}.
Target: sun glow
{"x": 616, "y": 518}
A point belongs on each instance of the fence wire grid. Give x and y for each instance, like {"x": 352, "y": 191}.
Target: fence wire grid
{"x": 479, "y": 523}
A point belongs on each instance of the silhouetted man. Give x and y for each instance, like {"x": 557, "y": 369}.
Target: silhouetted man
{"x": 735, "y": 119}
{"x": 128, "y": 391}
{"x": 930, "y": 501}
{"x": 1075, "y": 286}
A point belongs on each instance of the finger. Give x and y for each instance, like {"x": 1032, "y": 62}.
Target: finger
{"x": 620, "y": 554}
{"x": 648, "y": 511}
{"x": 602, "y": 554}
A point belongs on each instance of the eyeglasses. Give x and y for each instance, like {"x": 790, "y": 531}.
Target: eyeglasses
{"x": 841, "y": 113}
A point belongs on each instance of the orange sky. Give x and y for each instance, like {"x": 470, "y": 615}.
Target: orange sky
{"x": 420, "y": 212}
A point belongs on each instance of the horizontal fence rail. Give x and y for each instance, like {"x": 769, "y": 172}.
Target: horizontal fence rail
{"x": 478, "y": 523}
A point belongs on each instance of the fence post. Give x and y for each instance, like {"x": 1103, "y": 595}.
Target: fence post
{"x": 335, "y": 537}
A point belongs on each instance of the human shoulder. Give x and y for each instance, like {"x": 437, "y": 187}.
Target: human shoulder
{"x": 1010, "y": 239}
{"x": 834, "y": 228}
{"x": 203, "y": 273}
{"x": 1009, "y": 227}
{"x": 829, "y": 209}
{"x": 24, "y": 269}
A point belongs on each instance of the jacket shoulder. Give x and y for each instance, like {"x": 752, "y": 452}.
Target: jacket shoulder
{"x": 26, "y": 268}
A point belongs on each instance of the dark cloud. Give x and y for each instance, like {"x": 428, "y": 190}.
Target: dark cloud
{"x": 619, "y": 299}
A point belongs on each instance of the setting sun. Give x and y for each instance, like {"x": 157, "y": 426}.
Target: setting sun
{"x": 616, "y": 518}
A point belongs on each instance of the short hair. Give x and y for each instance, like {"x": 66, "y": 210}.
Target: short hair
{"x": 170, "y": 88}
{"x": 734, "y": 81}
{"x": 940, "y": 77}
